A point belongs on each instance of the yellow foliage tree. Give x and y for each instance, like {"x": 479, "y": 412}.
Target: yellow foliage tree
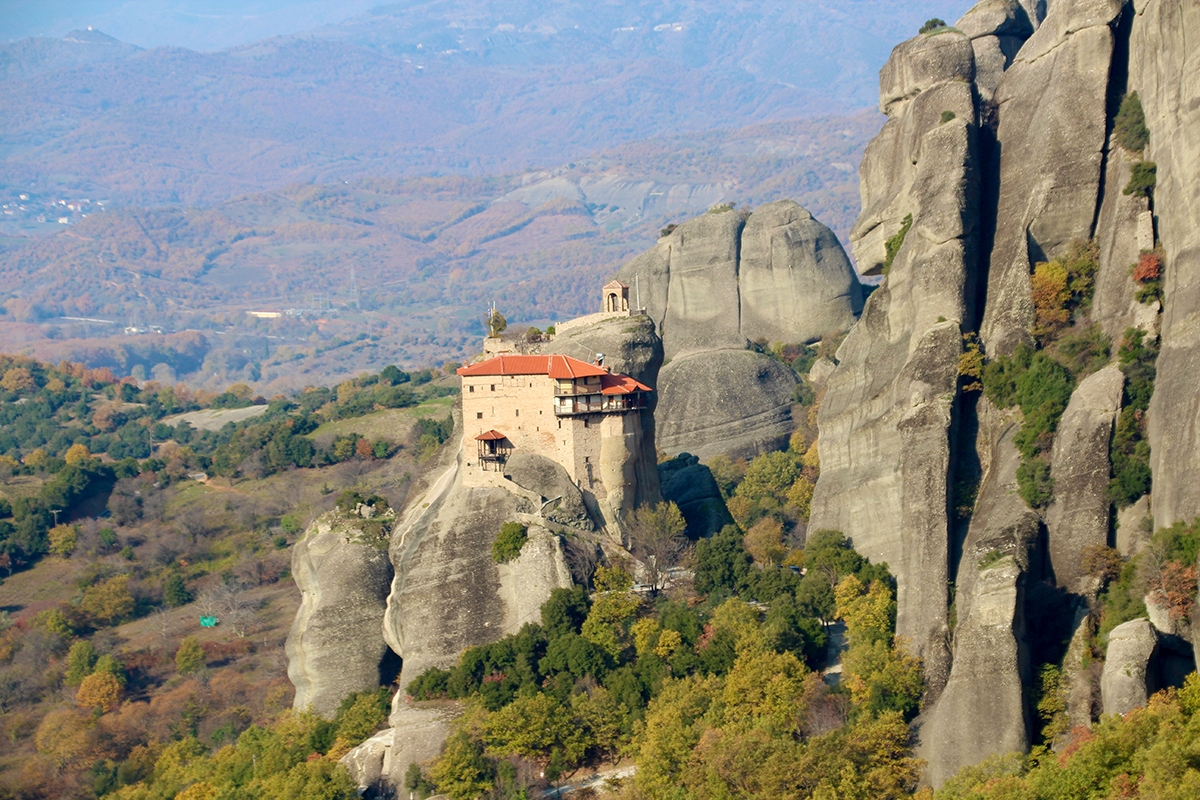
{"x": 201, "y": 790}
{"x": 866, "y": 610}
{"x": 800, "y": 495}
{"x": 62, "y": 540}
{"x": 76, "y": 453}
{"x": 764, "y": 541}
{"x": 100, "y": 690}
{"x": 110, "y": 602}
{"x": 1050, "y": 296}
{"x": 36, "y": 459}
{"x": 63, "y": 736}
{"x": 17, "y": 379}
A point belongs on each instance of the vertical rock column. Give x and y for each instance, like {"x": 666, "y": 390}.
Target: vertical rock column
{"x": 1164, "y": 68}
{"x": 1053, "y": 114}
{"x": 885, "y": 422}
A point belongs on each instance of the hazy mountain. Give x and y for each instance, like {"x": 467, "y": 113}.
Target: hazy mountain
{"x": 425, "y": 87}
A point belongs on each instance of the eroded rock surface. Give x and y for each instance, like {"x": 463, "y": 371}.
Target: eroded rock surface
{"x": 794, "y": 280}
{"x": 885, "y": 421}
{"x": 1053, "y": 124}
{"x": 726, "y": 401}
{"x": 1123, "y": 684}
{"x": 546, "y": 478}
{"x": 1164, "y": 68}
{"x": 335, "y": 645}
{"x": 1078, "y": 517}
{"x": 717, "y": 282}
{"x": 691, "y": 486}
{"x": 981, "y": 712}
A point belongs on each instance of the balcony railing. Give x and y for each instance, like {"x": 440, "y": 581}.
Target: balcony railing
{"x": 596, "y": 404}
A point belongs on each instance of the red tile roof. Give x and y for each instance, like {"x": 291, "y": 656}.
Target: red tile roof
{"x": 555, "y": 366}
{"x": 621, "y": 384}
{"x": 490, "y": 436}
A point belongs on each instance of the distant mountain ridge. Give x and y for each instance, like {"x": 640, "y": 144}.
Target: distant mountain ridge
{"x": 412, "y": 89}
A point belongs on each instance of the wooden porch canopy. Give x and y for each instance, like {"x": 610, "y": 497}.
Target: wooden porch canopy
{"x": 493, "y": 447}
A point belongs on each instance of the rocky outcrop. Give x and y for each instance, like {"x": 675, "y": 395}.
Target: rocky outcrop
{"x": 335, "y": 646}
{"x": 1053, "y": 122}
{"x": 726, "y": 401}
{"x": 982, "y": 712}
{"x": 997, "y": 29}
{"x": 563, "y": 500}
{"x": 794, "y": 280}
{"x": 690, "y": 485}
{"x": 1126, "y": 681}
{"x": 885, "y": 420}
{"x": 448, "y": 594}
{"x": 714, "y": 284}
{"x": 1165, "y": 71}
{"x": 1118, "y": 240}
{"x": 1079, "y": 516}
{"x": 417, "y": 737}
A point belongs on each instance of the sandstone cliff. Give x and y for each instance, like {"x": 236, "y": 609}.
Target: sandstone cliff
{"x": 885, "y": 422}
{"x": 999, "y": 152}
{"x": 716, "y": 283}
{"x": 336, "y": 646}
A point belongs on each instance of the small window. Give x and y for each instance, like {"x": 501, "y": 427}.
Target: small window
{"x": 518, "y": 413}
{"x": 560, "y": 424}
{"x": 478, "y": 415}
{"x": 493, "y": 387}
{"x": 585, "y": 423}
{"x": 471, "y": 389}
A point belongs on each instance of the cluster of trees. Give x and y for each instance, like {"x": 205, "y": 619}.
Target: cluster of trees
{"x": 700, "y": 694}
{"x": 1039, "y": 377}
{"x": 82, "y": 432}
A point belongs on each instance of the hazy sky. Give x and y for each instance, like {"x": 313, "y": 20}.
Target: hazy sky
{"x": 195, "y": 24}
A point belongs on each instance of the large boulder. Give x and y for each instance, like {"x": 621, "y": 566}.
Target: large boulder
{"x": 795, "y": 281}
{"x": 700, "y": 308}
{"x": 690, "y": 485}
{"x": 548, "y": 479}
{"x": 335, "y": 646}
{"x": 1127, "y": 681}
{"x": 1164, "y": 71}
{"x": 1079, "y": 516}
{"x": 725, "y": 401}
{"x": 1053, "y": 123}
{"x": 713, "y": 284}
{"x": 448, "y": 593}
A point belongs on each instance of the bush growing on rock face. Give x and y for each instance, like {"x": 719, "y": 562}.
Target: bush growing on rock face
{"x": 932, "y": 24}
{"x": 1129, "y": 127}
{"x": 1130, "y": 449}
{"x": 1143, "y": 177}
{"x": 892, "y": 245}
{"x": 509, "y": 541}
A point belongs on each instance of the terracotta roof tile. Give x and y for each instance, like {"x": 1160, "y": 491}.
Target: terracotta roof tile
{"x": 556, "y": 366}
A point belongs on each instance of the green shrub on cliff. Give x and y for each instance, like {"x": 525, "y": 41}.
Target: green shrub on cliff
{"x": 1129, "y": 127}
{"x": 508, "y": 544}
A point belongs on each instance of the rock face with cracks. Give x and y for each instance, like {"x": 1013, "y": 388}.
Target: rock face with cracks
{"x": 1078, "y": 517}
{"x": 718, "y": 282}
{"x": 1164, "y": 68}
{"x": 335, "y": 645}
{"x": 1123, "y": 684}
{"x": 885, "y": 421}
